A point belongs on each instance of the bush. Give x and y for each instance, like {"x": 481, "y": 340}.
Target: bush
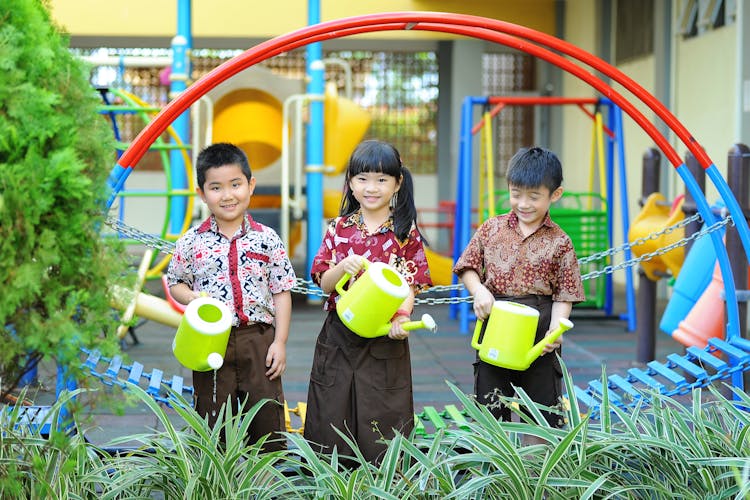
{"x": 55, "y": 155}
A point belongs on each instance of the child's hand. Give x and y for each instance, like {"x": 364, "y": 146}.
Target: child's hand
{"x": 196, "y": 295}
{"x": 352, "y": 264}
{"x": 276, "y": 360}
{"x": 396, "y": 332}
{"x": 553, "y": 345}
{"x": 483, "y": 302}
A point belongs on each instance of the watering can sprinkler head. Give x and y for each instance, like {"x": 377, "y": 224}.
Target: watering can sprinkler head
{"x": 215, "y": 360}
{"x": 428, "y": 323}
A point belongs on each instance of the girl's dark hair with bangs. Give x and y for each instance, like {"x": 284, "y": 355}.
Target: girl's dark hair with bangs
{"x": 382, "y": 157}
{"x": 534, "y": 167}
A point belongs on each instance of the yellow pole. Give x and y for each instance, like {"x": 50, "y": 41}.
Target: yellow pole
{"x": 480, "y": 187}
{"x": 600, "y": 148}
{"x": 490, "y": 164}
{"x": 592, "y": 161}
{"x": 122, "y": 330}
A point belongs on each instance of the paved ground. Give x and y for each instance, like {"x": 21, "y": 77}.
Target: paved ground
{"x": 436, "y": 358}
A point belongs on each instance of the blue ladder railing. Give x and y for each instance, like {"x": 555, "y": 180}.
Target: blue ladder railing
{"x": 677, "y": 376}
{"x": 119, "y": 374}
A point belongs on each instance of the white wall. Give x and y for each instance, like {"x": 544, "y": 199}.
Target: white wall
{"x": 705, "y": 94}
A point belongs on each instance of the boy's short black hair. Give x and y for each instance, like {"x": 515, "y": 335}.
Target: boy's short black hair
{"x": 218, "y": 155}
{"x": 535, "y": 167}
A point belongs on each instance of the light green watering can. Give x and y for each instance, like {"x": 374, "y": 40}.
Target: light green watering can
{"x": 367, "y": 307}
{"x": 201, "y": 339}
{"x": 508, "y": 340}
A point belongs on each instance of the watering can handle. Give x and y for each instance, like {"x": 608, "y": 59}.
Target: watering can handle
{"x": 340, "y": 285}
{"x": 477, "y": 330}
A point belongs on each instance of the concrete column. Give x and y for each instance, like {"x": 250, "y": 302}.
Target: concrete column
{"x": 458, "y": 61}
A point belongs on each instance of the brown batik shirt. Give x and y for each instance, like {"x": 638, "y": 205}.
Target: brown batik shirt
{"x": 509, "y": 264}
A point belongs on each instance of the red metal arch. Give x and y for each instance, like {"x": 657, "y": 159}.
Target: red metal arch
{"x": 473, "y": 26}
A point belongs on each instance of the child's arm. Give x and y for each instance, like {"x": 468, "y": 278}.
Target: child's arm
{"x": 402, "y": 315}
{"x": 483, "y": 298}
{"x": 560, "y": 310}
{"x": 183, "y": 294}
{"x": 276, "y": 356}
{"x": 351, "y": 265}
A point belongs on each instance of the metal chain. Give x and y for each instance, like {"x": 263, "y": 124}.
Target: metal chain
{"x": 640, "y": 241}
{"x": 308, "y": 287}
{"x": 147, "y": 239}
{"x": 661, "y": 251}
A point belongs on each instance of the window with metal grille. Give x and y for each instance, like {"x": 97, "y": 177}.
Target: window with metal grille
{"x": 634, "y": 29}
{"x": 508, "y": 74}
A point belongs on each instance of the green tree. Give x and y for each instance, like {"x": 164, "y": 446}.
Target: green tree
{"x": 55, "y": 155}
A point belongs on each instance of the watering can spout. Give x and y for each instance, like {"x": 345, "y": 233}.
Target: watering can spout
{"x": 426, "y": 322}
{"x": 536, "y": 350}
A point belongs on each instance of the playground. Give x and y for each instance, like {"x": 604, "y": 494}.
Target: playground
{"x": 615, "y": 359}
{"x": 588, "y": 220}
{"x": 437, "y": 358}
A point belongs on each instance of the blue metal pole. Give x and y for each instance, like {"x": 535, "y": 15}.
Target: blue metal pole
{"x": 463, "y": 221}
{"x": 610, "y": 158}
{"x": 458, "y": 218}
{"x": 625, "y": 214}
{"x": 740, "y": 224}
{"x": 181, "y": 45}
{"x": 314, "y": 149}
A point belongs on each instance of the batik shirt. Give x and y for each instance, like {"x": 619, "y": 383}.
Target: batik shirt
{"x": 243, "y": 272}
{"x": 349, "y": 236}
{"x": 511, "y": 264}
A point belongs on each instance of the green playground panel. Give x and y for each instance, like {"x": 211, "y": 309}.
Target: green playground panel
{"x": 584, "y": 217}
{"x": 430, "y": 420}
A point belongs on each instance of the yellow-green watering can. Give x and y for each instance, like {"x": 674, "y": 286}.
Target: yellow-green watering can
{"x": 508, "y": 340}
{"x": 201, "y": 339}
{"x": 367, "y": 307}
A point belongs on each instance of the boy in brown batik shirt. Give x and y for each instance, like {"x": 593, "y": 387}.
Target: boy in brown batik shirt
{"x": 524, "y": 257}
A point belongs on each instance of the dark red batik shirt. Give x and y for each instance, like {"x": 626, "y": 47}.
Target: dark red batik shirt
{"x": 509, "y": 264}
{"x": 348, "y": 235}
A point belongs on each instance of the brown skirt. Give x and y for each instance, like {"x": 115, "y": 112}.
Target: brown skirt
{"x": 363, "y": 387}
{"x": 243, "y": 382}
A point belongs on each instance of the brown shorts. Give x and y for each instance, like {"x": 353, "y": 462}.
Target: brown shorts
{"x": 542, "y": 381}
{"x": 242, "y": 381}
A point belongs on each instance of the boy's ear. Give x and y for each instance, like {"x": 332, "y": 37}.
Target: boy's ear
{"x": 251, "y": 185}
{"x": 556, "y": 194}
{"x": 201, "y": 194}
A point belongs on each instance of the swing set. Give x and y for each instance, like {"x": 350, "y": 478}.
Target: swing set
{"x": 586, "y": 217}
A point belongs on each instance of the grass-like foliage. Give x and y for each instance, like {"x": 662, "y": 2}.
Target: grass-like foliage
{"x": 56, "y": 152}
{"x": 667, "y": 449}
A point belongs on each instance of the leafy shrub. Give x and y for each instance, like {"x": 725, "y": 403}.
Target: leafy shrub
{"x": 665, "y": 450}
{"x": 55, "y": 156}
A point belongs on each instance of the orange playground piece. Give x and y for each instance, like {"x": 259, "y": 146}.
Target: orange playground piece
{"x": 706, "y": 319}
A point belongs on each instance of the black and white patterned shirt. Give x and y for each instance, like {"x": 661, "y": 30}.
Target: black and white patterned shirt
{"x": 244, "y": 272}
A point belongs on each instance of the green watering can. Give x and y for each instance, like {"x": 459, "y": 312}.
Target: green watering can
{"x": 367, "y": 307}
{"x": 508, "y": 340}
{"x": 201, "y": 339}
